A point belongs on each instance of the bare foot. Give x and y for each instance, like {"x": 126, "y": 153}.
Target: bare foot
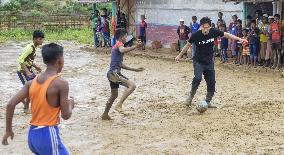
{"x": 105, "y": 117}
{"x": 118, "y": 108}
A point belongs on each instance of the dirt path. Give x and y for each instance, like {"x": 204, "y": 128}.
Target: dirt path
{"x": 249, "y": 120}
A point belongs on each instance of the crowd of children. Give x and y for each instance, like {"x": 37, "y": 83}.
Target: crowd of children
{"x": 263, "y": 34}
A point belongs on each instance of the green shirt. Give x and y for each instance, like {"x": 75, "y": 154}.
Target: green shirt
{"x": 27, "y": 56}
{"x": 95, "y": 21}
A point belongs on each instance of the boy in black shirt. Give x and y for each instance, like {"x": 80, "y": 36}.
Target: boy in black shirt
{"x": 203, "y": 59}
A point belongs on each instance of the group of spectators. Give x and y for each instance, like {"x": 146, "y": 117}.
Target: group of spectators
{"x": 263, "y": 33}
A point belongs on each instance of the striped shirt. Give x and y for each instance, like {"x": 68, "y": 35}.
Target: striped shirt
{"x": 27, "y": 56}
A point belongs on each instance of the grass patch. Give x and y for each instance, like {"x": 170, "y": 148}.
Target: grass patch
{"x": 84, "y": 35}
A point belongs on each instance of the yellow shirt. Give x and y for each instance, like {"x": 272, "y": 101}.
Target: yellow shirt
{"x": 264, "y": 37}
{"x": 27, "y": 56}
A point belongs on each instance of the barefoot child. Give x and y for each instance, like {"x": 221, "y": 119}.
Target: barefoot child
{"x": 239, "y": 45}
{"x": 254, "y": 42}
{"x": 275, "y": 31}
{"x": 114, "y": 74}
{"x": 245, "y": 53}
{"x": 26, "y": 63}
{"x": 49, "y": 96}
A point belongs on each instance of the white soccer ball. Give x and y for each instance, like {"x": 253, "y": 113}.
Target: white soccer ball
{"x": 202, "y": 106}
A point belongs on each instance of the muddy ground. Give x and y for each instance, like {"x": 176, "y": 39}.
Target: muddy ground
{"x": 249, "y": 118}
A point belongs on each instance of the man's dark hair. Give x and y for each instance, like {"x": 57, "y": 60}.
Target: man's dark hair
{"x": 51, "y": 52}
{"x": 194, "y": 17}
{"x": 235, "y": 16}
{"x": 253, "y": 21}
{"x": 249, "y": 17}
{"x": 205, "y": 20}
{"x": 277, "y": 15}
{"x": 38, "y": 34}
{"x": 119, "y": 33}
{"x": 221, "y": 13}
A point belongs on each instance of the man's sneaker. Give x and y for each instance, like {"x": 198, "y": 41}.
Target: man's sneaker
{"x": 210, "y": 105}
{"x": 188, "y": 101}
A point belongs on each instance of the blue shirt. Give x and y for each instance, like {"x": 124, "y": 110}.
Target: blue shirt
{"x": 224, "y": 43}
{"x": 143, "y": 26}
{"x": 195, "y": 27}
{"x": 116, "y": 58}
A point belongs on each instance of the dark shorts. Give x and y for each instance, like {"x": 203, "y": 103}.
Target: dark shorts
{"x": 24, "y": 78}
{"x": 253, "y": 49}
{"x": 276, "y": 46}
{"x": 116, "y": 79}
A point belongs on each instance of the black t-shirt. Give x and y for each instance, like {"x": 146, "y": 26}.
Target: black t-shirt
{"x": 254, "y": 36}
{"x": 204, "y": 45}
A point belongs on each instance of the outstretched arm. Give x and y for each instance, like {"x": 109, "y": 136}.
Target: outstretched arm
{"x": 132, "y": 69}
{"x": 20, "y": 96}
{"x": 230, "y": 36}
{"x": 184, "y": 50}
{"x": 123, "y": 49}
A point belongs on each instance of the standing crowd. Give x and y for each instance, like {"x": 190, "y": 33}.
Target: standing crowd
{"x": 101, "y": 28}
{"x": 263, "y": 34}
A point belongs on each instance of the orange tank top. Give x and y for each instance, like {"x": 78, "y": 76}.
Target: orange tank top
{"x": 42, "y": 113}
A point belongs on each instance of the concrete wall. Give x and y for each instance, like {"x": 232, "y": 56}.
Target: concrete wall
{"x": 163, "y": 15}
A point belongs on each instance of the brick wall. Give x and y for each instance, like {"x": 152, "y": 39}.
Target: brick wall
{"x": 164, "y": 33}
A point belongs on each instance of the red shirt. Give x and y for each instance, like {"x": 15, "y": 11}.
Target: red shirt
{"x": 275, "y": 30}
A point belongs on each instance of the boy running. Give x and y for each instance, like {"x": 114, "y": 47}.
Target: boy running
{"x": 49, "y": 96}
{"x": 114, "y": 74}
{"x": 26, "y": 63}
{"x": 203, "y": 60}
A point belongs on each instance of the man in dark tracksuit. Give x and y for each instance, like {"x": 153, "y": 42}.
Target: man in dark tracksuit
{"x": 203, "y": 58}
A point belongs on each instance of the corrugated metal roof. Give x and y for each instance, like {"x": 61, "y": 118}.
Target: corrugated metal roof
{"x": 254, "y": 1}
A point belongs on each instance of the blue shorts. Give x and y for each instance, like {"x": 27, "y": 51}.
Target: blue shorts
{"x": 253, "y": 48}
{"x": 24, "y": 78}
{"x": 46, "y": 141}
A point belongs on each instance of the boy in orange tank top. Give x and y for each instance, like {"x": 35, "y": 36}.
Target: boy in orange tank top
{"x": 49, "y": 97}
